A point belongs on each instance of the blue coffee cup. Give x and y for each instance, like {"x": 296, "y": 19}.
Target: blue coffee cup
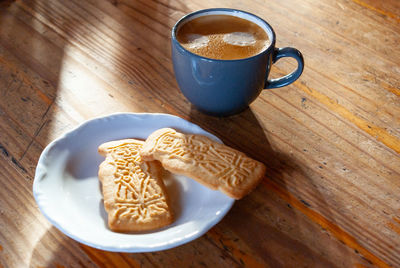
{"x": 227, "y": 87}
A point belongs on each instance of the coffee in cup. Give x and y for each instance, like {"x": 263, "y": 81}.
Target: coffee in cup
{"x": 222, "y": 58}
{"x": 223, "y": 37}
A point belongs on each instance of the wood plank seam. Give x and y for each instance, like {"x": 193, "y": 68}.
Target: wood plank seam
{"x": 378, "y": 10}
{"x": 28, "y": 10}
{"x": 35, "y": 135}
{"x": 58, "y": 28}
{"x": 126, "y": 39}
{"x": 314, "y": 216}
{"x": 13, "y": 159}
{"x": 338, "y": 34}
{"x": 329, "y": 128}
{"x": 384, "y": 84}
{"x": 374, "y": 131}
{"x": 238, "y": 256}
{"x": 333, "y": 144}
{"x": 108, "y": 259}
{"x": 164, "y": 34}
{"x": 336, "y": 214}
{"x": 47, "y": 100}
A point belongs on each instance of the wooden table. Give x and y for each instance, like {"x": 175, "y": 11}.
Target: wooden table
{"x": 330, "y": 141}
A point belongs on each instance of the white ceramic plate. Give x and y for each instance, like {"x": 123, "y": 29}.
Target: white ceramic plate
{"x": 68, "y": 193}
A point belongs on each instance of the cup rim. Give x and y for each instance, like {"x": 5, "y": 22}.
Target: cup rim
{"x": 232, "y": 10}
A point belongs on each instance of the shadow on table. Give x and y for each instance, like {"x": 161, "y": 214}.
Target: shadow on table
{"x": 265, "y": 226}
{"x": 42, "y": 52}
{"x": 266, "y": 219}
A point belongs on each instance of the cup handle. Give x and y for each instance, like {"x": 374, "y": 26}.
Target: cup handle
{"x": 289, "y": 78}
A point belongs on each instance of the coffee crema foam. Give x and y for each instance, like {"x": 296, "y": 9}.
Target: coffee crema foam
{"x": 223, "y": 37}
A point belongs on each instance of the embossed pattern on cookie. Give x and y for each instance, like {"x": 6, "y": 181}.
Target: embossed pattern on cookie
{"x": 211, "y": 163}
{"x": 134, "y": 194}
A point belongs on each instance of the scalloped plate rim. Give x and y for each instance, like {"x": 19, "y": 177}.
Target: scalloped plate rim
{"x": 40, "y": 175}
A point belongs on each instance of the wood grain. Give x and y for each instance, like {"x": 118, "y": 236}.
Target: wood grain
{"x": 330, "y": 141}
